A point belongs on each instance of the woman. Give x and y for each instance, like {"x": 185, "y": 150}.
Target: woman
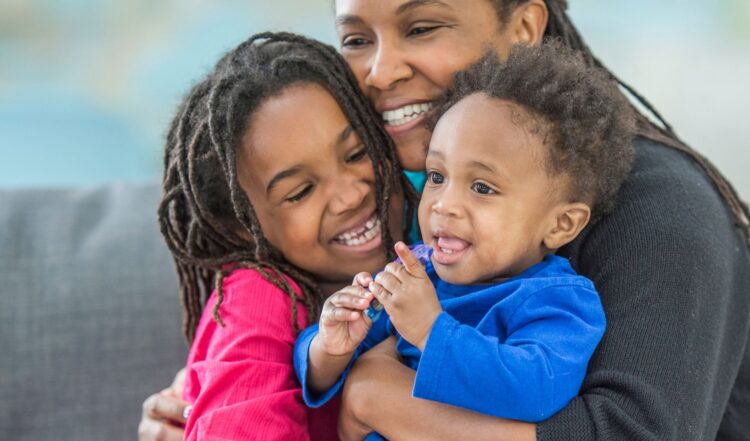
{"x": 671, "y": 263}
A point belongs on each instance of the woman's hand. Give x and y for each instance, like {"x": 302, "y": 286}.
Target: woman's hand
{"x": 377, "y": 398}
{"x": 355, "y": 397}
{"x": 162, "y": 418}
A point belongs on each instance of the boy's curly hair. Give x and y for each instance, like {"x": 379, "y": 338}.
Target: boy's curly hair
{"x": 206, "y": 218}
{"x": 575, "y": 109}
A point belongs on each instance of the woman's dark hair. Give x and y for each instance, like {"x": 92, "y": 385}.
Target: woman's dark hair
{"x": 205, "y": 217}
{"x": 560, "y": 27}
{"x": 585, "y": 123}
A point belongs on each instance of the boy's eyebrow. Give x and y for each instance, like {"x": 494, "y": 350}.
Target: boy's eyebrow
{"x": 282, "y": 175}
{"x": 350, "y": 19}
{"x": 483, "y": 166}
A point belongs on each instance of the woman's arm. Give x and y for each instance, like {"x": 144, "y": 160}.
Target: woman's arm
{"x": 162, "y": 418}
{"x": 377, "y": 397}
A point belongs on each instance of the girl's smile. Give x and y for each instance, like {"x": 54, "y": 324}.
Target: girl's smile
{"x": 313, "y": 185}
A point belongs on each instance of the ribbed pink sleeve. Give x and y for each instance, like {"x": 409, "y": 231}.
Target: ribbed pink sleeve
{"x": 240, "y": 377}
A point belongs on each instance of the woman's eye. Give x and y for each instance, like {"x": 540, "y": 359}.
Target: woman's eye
{"x": 482, "y": 188}
{"x": 354, "y": 42}
{"x": 357, "y": 156}
{"x": 435, "y": 177}
{"x": 421, "y": 30}
{"x": 300, "y": 194}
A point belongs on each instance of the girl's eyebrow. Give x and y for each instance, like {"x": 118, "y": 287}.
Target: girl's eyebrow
{"x": 291, "y": 171}
{"x": 282, "y": 175}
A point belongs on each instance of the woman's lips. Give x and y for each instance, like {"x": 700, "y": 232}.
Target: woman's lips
{"x": 404, "y": 118}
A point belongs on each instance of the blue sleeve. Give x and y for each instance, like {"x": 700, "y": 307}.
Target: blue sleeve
{"x": 530, "y": 376}
{"x": 379, "y": 331}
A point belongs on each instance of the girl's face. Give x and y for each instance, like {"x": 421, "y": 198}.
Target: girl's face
{"x": 404, "y": 53}
{"x": 313, "y": 186}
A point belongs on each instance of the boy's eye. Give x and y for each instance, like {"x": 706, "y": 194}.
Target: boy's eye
{"x": 300, "y": 194}
{"x": 435, "y": 177}
{"x": 482, "y": 188}
{"x": 357, "y": 155}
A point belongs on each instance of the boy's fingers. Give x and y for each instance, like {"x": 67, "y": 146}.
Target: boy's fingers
{"x": 409, "y": 260}
{"x": 339, "y": 314}
{"x": 388, "y": 281}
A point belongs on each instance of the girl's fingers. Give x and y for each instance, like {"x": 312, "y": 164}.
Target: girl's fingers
{"x": 344, "y": 314}
{"x": 358, "y": 301}
{"x": 362, "y": 279}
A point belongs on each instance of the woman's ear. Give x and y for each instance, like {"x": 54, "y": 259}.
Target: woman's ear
{"x": 529, "y": 22}
{"x": 571, "y": 218}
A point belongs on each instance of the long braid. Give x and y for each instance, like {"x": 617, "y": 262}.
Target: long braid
{"x": 561, "y": 27}
{"x": 206, "y": 218}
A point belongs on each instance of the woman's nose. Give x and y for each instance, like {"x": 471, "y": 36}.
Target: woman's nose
{"x": 387, "y": 67}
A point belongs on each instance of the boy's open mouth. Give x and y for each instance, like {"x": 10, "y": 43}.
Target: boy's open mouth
{"x": 448, "y": 250}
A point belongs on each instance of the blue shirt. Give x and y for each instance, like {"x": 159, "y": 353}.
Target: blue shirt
{"x": 516, "y": 349}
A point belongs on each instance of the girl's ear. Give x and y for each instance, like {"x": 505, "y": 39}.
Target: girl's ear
{"x": 529, "y": 21}
{"x": 571, "y": 218}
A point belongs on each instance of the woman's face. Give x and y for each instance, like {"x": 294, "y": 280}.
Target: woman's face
{"x": 404, "y": 53}
{"x": 313, "y": 186}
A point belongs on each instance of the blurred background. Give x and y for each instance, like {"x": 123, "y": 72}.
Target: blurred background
{"x": 87, "y": 88}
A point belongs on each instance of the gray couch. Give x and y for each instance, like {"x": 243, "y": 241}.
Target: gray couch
{"x": 89, "y": 319}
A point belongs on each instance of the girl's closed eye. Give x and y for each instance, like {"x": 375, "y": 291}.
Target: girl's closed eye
{"x": 299, "y": 195}
{"x": 358, "y": 155}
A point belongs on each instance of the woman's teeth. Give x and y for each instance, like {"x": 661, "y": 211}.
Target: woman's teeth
{"x": 361, "y": 235}
{"x": 405, "y": 114}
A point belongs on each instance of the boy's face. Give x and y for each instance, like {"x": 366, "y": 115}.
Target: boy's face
{"x": 489, "y": 204}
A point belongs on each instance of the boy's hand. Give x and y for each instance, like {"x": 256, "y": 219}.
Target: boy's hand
{"x": 408, "y": 296}
{"x": 343, "y": 326}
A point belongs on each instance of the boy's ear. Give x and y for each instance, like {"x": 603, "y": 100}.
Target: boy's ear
{"x": 570, "y": 220}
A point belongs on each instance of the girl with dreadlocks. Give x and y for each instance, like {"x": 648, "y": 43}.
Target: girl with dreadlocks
{"x": 671, "y": 263}
{"x": 279, "y": 186}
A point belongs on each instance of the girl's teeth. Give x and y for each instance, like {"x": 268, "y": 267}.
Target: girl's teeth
{"x": 362, "y": 235}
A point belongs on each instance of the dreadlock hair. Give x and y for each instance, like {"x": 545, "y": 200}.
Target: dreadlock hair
{"x": 585, "y": 124}
{"x": 205, "y": 217}
{"x": 559, "y": 26}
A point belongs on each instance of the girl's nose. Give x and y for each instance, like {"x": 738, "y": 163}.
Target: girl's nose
{"x": 447, "y": 204}
{"x": 387, "y": 67}
{"x": 349, "y": 194}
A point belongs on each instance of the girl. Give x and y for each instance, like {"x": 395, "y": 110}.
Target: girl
{"x": 671, "y": 262}
{"x": 279, "y": 186}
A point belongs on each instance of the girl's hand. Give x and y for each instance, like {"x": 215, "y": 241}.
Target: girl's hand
{"x": 408, "y": 296}
{"x": 343, "y": 325}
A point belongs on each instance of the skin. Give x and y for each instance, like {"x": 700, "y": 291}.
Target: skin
{"x": 488, "y": 190}
{"x": 396, "y": 63}
{"x": 406, "y": 52}
{"x": 309, "y": 179}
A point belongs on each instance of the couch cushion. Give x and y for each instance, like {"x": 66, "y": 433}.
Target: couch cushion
{"x": 90, "y": 318}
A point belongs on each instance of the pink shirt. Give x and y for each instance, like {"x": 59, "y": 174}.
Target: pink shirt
{"x": 240, "y": 377}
